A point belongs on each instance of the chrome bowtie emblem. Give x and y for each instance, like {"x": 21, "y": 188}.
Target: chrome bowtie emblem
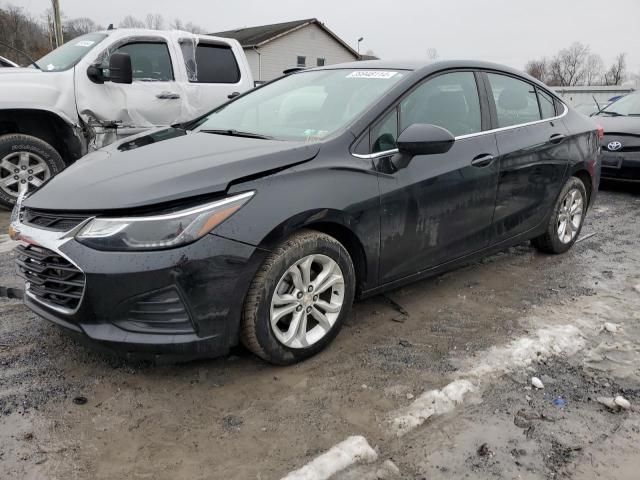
{"x": 613, "y": 146}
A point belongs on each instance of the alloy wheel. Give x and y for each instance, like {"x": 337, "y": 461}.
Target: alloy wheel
{"x": 21, "y": 172}
{"x": 570, "y": 215}
{"x": 307, "y": 301}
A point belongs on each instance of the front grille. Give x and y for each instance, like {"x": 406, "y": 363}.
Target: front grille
{"x": 52, "y": 221}
{"x": 51, "y": 278}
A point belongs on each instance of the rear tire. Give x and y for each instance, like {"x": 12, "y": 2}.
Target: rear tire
{"x": 566, "y": 220}
{"x": 26, "y": 163}
{"x": 316, "y": 306}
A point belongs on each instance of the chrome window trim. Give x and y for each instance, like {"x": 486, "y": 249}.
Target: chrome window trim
{"x": 471, "y": 135}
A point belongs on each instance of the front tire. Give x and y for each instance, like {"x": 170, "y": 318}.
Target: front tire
{"x": 566, "y": 220}
{"x": 26, "y": 163}
{"x": 299, "y": 298}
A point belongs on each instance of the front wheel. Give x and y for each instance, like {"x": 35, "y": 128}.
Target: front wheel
{"x": 298, "y": 299}
{"x": 566, "y": 220}
{"x": 26, "y": 163}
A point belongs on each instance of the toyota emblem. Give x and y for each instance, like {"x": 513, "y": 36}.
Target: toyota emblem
{"x": 613, "y": 146}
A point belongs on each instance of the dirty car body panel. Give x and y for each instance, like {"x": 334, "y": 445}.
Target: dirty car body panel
{"x": 399, "y": 218}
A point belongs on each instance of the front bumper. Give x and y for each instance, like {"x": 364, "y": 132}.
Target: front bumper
{"x": 620, "y": 165}
{"x": 182, "y": 303}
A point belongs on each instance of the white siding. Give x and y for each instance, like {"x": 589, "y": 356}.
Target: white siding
{"x": 280, "y": 54}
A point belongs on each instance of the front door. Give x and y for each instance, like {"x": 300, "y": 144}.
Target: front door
{"x": 439, "y": 207}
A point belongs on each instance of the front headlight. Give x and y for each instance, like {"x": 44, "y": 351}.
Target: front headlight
{"x": 159, "y": 231}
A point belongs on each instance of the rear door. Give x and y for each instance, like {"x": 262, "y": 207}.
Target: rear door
{"x": 533, "y": 152}
{"x": 214, "y": 74}
{"x": 439, "y": 207}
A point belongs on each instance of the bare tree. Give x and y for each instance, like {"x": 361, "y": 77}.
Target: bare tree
{"x": 178, "y": 24}
{"x": 432, "y": 54}
{"x": 154, "y": 21}
{"x": 538, "y": 69}
{"x": 79, "y": 26}
{"x": 617, "y": 72}
{"x": 131, "y": 22}
{"x": 593, "y": 69}
{"x": 567, "y": 68}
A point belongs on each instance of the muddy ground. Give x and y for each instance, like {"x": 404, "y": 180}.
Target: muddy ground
{"x": 238, "y": 418}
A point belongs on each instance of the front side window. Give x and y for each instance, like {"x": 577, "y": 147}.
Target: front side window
{"x": 546, "y": 104}
{"x": 150, "y": 62}
{"x": 210, "y": 63}
{"x": 515, "y": 100}
{"x": 302, "y": 61}
{"x": 449, "y": 101}
{"x": 309, "y": 105}
{"x": 69, "y": 54}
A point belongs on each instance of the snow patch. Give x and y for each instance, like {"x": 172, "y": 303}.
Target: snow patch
{"x": 353, "y": 450}
{"x": 520, "y": 353}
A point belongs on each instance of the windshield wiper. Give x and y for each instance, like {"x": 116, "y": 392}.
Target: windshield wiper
{"x": 238, "y": 133}
{"x": 610, "y": 112}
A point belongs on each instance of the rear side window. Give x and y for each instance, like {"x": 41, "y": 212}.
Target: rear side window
{"x": 515, "y": 100}
{"x": 150, "y": 62}
{"x": 546, "y": 104}
{"x": 212, "y": 63}
{"x": 449, "y": 101}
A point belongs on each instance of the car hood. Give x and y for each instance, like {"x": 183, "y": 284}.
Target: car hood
{"x": 622, "y": 124}
{"x": 163, "y": 166}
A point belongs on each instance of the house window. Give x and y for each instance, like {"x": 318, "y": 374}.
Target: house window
{"x": 302, "y": 61}
{"x": 320, "y": 62}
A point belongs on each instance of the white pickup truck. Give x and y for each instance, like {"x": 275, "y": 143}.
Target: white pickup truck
{"x": 103, "y": 86}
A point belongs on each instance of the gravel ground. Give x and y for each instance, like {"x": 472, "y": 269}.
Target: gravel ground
{"x": 238, "y": 418}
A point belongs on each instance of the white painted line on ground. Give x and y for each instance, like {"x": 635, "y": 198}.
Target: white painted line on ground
{"x": 520, "y": 353}
{"x": 353, "y": 450}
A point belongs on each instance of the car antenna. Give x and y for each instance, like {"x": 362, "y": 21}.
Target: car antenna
{"x": 21, "y": 52}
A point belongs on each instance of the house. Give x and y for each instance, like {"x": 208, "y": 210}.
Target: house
{"x": 271, "y": 49}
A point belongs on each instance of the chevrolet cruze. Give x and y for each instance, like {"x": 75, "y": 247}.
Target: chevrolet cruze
{"x": 261, "y": 222}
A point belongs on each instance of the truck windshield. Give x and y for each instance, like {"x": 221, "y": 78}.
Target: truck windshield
{"x": 70, "y": 53}
{"x": 303, "y": 106}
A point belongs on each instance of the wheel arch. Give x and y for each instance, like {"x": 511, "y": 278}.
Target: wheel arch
{"x": 49, "y": 127}
{"x": 335, "y": 225}
{"x": 584, "y": 176}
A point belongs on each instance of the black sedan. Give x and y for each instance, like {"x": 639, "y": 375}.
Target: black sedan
{"x": 261, "y": 221}
{"x": 620, "y": 155}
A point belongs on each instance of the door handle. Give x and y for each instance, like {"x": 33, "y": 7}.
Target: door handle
{"x": 483, "y": 160}
{"x": 233, "y": 95}
{"x": 556, "y": 138}
{"x": 168, "y": 96}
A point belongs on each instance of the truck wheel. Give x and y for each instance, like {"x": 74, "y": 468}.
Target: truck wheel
{"x": 298, "y": 299}
{"x": 26, "y": 163}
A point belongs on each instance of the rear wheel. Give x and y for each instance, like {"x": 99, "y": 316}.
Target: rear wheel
{"x": 26, "y": 163}
{"x": 298, "y": 299}
{"x": 567, "y": 219}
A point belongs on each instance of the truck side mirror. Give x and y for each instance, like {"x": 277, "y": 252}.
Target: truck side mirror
{"x": 120, "y": 70}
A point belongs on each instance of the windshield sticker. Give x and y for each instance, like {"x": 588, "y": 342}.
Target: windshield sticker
{"x": 372, "y": 74}
{"x": 84, "y": 43}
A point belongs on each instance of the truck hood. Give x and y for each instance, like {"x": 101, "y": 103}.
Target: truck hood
{"x": 163, "y": 166}
{"x": 622, "y": 124}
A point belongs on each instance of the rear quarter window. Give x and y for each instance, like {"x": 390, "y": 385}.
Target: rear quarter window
{"x": 210, "y": 64}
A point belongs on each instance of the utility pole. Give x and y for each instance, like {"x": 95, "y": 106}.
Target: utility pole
{"x": 57, "y": 22}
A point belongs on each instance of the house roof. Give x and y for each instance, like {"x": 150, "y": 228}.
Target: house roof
{"x": 257, "y": 36}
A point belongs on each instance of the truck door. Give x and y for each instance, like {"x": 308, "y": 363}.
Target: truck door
{"x": 153, "y": 99}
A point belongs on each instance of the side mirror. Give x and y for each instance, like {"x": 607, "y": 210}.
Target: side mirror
{"x": 424, "y": 139}
{"x": 120, "y": 70}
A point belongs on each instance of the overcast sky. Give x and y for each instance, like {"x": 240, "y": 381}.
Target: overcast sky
{"x": 505, "y": 31}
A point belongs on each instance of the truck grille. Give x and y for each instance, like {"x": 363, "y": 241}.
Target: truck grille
{"x": 51, "y": 278}
{"x": 52, "y": 221}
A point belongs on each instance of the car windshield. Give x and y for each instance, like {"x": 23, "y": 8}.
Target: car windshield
{"x": 69, "y": 54}
{"x": 303, "y": 106}
{"x": 627, "y": 105}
